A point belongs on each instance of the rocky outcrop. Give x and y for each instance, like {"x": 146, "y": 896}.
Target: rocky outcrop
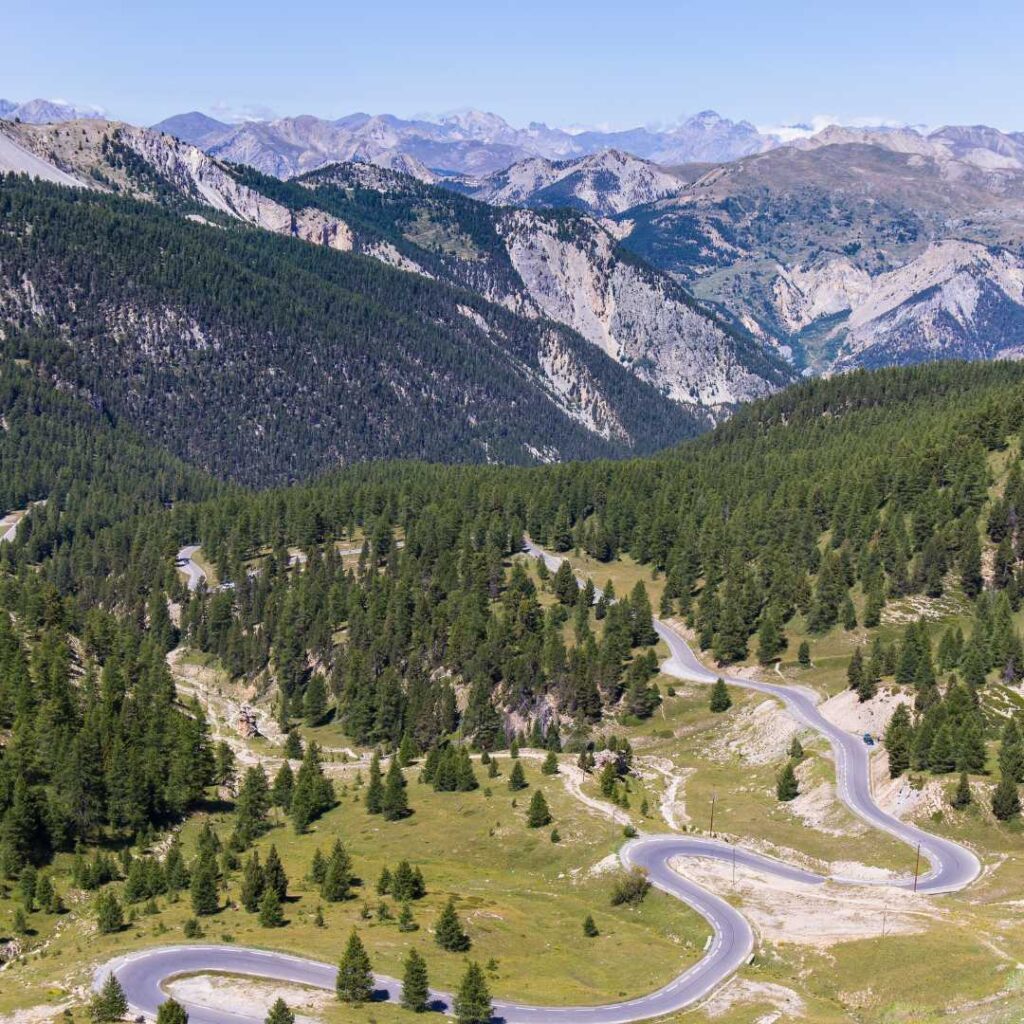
{"x": 856, "y": 246}
{"x": 604, "y": 184}
{"x": 956, "y": 300}
{"x": 575, "y": 277}
{"x": 104, "y": 155}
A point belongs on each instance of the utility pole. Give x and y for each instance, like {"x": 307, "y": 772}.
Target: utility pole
{"x": 714, "y": 797}
{"x": 917, "y": 866}
{"x": 885, "y": 910}
{"x": 733, "y": 863}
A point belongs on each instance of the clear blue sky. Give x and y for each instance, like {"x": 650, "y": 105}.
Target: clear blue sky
{"x": 559, "y": 61}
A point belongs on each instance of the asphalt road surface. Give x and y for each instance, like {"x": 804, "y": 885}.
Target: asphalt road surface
{"x": 951, "y": 867}
{"x": 192, "y": 570}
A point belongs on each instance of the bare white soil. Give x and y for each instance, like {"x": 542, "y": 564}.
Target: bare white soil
{"x": 251, "y": 997}
{"x": 739, "y": 991}
{"x": 759, "y": 734}
{"x": 814, "y": 915}
{"x": 850, "y": 713}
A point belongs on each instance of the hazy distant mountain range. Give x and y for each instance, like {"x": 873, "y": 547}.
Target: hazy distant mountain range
{"x": 465, "y": 143}
{"x": 45, "y": 111}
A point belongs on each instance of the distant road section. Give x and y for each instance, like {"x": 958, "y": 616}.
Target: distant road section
{"x": 9, "y": 525}
{"x": 194, "y": 573}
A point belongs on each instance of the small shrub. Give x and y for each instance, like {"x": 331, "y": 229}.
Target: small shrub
{"x": 631, "y": 888}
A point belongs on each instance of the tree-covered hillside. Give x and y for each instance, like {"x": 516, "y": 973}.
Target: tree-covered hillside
{"x": 266, "y": 359}
{"x": 809, "y": 512}
{"x": 874, "y": 514}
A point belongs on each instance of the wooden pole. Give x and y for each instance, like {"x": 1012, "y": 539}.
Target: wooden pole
{"x": 714, "y": 797}
{"x": 917, "y": 866}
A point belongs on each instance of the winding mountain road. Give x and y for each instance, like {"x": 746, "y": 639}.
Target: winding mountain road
{"x": 951, "y": 867}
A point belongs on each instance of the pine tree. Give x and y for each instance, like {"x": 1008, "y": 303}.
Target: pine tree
{"x": 538, "y": 815}
{"x": 550, "y": 765}
{"x": 803, "y": 654}
{"x": 415, "y": 984}
{"x": 771, "y": 640}
{"x": 561, "y": 531}
{"x": 642, "y": 629}
{"x": 170, "y": 1012}
{"x": 280, "y": 1013}
{"x": 720, "y": 699}
{"x": 110, "y": 1003}
{"x": 205, "y": 899}
{"x": 1011, "y": 752}
{"x": 317, "y": 868}
{"x": 971, "y": 580}
{"x": 942, "y": 755}
{"x": 641, "y": 697}
{"x": 564, "y": 584}
{"x": 273, "y": 874}
{"x": 449, "y": 933}
{"x": 796, "y": 750}
{"x": 406, "y": 751}
{"x": 293, "y": 746}
{"x": 253, "y": 883}
{"x": 855, "y": 669}
{"x": 608, "y": 778}
{"x": 465, "y": 778}
{"x": 589, "y": 928}
{"x": 406, "y": 883}
{"x": 394, "y": 801}
{"x": 284, "y": 786}
{"x": 786, "y": 786}
{"x": 337, "y": 875}
{"x": 314, "y": 701}
{"x": 868, "y": 686}
{"x": 354, "y": 983}
{"x": 1006, "y": 799}
{"x": 406, "y": 921}
{"x": 517, "y": 778}
{"x": 375, "y": 788}
{"x": 271, "y": 915}
{"x": 109, "y": 915}
{"x": 473, "y": 1000}
{"x": 313, "y": 794}
{"x": 898, "y": 736}
{"x": 46, "y": 896}
{"x": 252, "y": 805}
{"x": 962, "y": 797}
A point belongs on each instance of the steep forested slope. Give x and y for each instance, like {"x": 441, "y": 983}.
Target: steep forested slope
{"x": 266, "y": 359}
{"x": 554, "y": 263}
{"x": 567, "y": 268}
{"x": 818, "y": 506}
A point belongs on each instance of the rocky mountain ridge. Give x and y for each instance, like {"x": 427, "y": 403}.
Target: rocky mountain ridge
{"x": 605, "y": 183}
{"x": 40, "y": 111}
{"x": 534, "y": 264}
{"x": 468, "y": 143}
{"x": 855, "y": 247}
